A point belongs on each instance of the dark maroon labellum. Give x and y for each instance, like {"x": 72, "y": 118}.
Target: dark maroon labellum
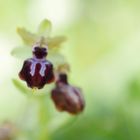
{"x": 37, "y": 71}
{"x": 66, "y": 97}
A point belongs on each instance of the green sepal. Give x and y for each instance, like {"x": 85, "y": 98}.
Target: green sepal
{"x": 44, "y": 28}
{"x": 28, "y": 38}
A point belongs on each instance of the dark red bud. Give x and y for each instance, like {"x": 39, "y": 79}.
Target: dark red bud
{"x": 62, "y": 78}
{"x": 68, "y": 98}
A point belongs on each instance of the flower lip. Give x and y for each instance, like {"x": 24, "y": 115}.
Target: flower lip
{"x": 37, "y": 72}
{"x": 39, "y": 52}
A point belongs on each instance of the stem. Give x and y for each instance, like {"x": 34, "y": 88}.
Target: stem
{"x": 42, "y": 120}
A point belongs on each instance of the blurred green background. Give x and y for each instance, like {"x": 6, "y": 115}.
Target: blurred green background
{"x": 103, "y": 49}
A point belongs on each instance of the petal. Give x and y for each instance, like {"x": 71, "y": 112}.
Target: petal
{"x": 44, "y": 28}
{"x": 55, "y": 41}
{"x": 27, "y": 37}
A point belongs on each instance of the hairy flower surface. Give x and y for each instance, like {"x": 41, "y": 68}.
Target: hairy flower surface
{"x": 37, "y": 71}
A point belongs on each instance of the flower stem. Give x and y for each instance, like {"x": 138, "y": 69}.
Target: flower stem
{"x": 43, "y": 135}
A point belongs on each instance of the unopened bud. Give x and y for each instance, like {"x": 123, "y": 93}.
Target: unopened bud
{"x": 66, "y": 97}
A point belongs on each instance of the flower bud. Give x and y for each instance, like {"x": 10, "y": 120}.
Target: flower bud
{"x": 37, "y": 71}
{"x": 66, "y": 97}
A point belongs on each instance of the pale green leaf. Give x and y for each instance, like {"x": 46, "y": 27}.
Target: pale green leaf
{"x": 20, "y": 86}
{"x": 31, "y": 92}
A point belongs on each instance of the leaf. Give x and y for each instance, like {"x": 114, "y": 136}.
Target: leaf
{"x": 27, "y": 37}
{"x": 20, "y": 86}
{"x": 44, "y": 28}
{"x": 21, "y": 52}
{"x": 30, "y": 92}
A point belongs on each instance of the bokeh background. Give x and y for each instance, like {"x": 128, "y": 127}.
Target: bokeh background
{"x": 103, "y": 49}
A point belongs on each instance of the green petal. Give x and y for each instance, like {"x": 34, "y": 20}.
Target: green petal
{"x": 27, "y": 37}
{"x": 44, "y": 28}
{"x": 55, "y": 41}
